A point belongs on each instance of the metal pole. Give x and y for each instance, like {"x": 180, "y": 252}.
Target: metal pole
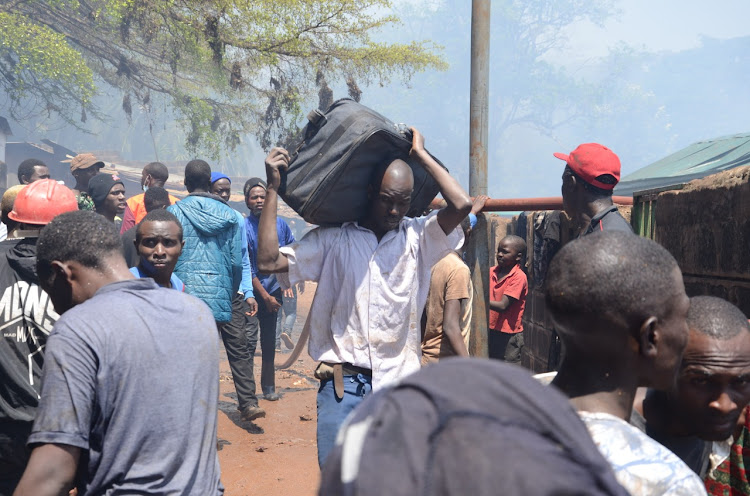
{"x": 528, "y": 204}
{"x": 479, "y": 247}
{"x": 479, "y": 100}
{"x": 479, "y": 244}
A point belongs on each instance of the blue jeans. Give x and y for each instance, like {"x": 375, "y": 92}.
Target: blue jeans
{"x": 287, "y": 315}
{"x": 267, "y": 321}
{"x": 332, "y": 412}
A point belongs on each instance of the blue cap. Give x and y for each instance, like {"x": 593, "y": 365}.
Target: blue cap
{"x": 472, "y": 220}
{"x": 215, "y": 176}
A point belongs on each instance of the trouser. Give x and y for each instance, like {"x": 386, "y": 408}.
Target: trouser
{"x": 267, "y": 322}
{"x": 332, "y": 410}
{"x": 286, "y": 318}
{"x": 505, "y": 346}
{"x": 240, "y": 337}
{"x": 13, "y": 453}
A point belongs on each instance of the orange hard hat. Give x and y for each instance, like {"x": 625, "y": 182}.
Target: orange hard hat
{"x": 39, "y": 202}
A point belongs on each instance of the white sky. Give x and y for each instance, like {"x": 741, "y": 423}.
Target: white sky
{"x": 647, "y": 25}
{"x": 656, "y": 25}
{"x": 652, "y": 24}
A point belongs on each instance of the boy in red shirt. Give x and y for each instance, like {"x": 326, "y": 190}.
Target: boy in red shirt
{"x": 508, "y": 287}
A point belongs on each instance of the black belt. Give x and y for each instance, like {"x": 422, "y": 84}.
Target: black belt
{"x": 349, "y": 369}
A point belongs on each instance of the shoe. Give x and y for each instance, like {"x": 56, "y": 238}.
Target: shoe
{"x": 272, "y": 397}
{"x": 252, "y": 413}
{"x": 287, "y": 340}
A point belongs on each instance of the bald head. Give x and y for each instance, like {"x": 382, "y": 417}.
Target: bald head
{"x": 716, "y": 318}
{"x": 613, "y": 276}
{"x": 396, "y": 173}
{"x": 390, "y": 197}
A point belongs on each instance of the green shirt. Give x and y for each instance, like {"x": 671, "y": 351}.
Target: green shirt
{"x": 85, "y": 202}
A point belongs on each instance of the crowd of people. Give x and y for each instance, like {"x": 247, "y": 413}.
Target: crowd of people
{"x": 114, "y": 309}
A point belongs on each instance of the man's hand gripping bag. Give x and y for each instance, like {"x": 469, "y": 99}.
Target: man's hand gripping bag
{"x": 329, "y": 174}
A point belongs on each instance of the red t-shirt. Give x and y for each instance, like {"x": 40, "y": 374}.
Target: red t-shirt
{"x": 515, "y": 286}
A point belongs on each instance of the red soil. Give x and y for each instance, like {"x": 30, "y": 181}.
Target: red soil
{"x": 275, "y": 455}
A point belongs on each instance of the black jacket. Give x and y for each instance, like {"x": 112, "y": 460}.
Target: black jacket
{"x": 26, "y": 319}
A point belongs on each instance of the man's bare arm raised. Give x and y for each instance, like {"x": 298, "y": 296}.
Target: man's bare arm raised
{"x": 269, "y": 258}
{"x": 458, "y": 201}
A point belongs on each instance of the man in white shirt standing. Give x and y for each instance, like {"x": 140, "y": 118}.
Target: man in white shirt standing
{"x": 373, "y": 277}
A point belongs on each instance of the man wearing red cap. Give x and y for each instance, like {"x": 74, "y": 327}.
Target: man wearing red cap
{"x": 591, "y": 173}
{"x": 25, "y": 329}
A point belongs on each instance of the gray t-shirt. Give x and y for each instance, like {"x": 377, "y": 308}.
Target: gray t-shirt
{"x": 608, "y": 220}
{"x": 131, "y": 377}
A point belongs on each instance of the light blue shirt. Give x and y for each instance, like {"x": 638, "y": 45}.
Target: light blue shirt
{"x": 175, "y": 281}
{"x": 246, "y": 284}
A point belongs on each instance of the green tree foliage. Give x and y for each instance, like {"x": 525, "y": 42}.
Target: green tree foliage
{"x": 39, "y": 69}
{"x": 224, "y": 67}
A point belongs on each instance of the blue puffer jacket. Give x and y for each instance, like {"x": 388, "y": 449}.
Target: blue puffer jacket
{"x": 211, "y": 261}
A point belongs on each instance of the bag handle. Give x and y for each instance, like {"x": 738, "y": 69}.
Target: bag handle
{"x": 316, "y": 118}
{"x": 403, "y": 130}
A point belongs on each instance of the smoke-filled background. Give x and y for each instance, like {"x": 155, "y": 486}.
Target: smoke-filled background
{"x": 645, "y": 78}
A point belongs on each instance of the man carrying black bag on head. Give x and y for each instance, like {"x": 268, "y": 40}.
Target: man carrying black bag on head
{"x": 373, "y": 279}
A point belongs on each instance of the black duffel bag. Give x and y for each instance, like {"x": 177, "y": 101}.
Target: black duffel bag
{"x": 328, "y": 177}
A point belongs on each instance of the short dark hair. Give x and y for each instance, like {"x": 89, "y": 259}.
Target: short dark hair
{"x": 197, "y": 175}
{"x": 159, "y": 215}
{"x": 517, "y": 241}
{"x": 26, "y": 168}
{"x": 716, "y": 318}
{"x": 158, "y": 171}
{"x": 156, "y": 197}
{"x": 82, "y": 236}
{"x": 616, "y": 276}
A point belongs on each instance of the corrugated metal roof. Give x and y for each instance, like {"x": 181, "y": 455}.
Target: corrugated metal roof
{"x": 697, "y": 160}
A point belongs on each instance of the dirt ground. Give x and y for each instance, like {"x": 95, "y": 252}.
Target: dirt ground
{"x": 275, "y": 455}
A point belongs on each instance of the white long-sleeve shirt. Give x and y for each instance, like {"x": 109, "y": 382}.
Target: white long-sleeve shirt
{"x": 370, "y": 295}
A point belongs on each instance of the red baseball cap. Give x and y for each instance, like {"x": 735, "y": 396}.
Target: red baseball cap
{"x": 591, "y": 160}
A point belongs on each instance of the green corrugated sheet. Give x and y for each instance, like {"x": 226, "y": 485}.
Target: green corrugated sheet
{"x": 697, "y": 160}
